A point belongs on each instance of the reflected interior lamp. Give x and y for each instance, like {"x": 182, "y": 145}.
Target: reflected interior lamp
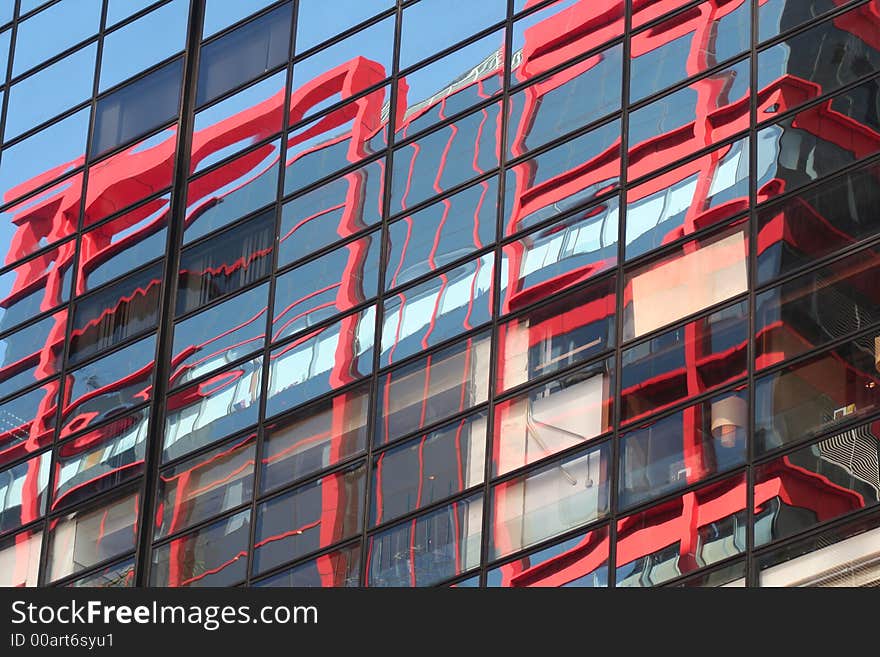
{"x": 728, "y": 418}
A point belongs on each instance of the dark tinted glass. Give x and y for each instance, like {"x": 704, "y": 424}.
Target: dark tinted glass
{"x": 332, "y": 570}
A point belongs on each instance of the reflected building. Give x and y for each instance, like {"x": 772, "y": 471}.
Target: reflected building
{"x": 528, "y": 293}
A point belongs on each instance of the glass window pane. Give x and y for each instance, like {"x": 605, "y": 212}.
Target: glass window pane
{"x": 122, "y": 115}
{"x": 335, "y": 210}
{"x": 650, "y": 10}
{"x": 568, "y": 175}
{"x": 441, "y": 233}
{"x": 50, "y": 91}
{"x": 728, "y": 576}
{"x": 440, "y": 308}
{"x": 581, "y": 561}
{"x": 109, "y": 386}
{"x": 237, "y": 122}
{"x": 41, "y": 220}
{"x": 548, "y": 261}
{"x": 569, "y": 330}
{"x": 226, "y": 262}
{"x": 550, "y": 500}
{"x": 109, "y": 251}
{"x": 432, "y": 25}
{"x": 88, "y": 536}
{"x": 326, "y": 286}
{"x": 701, "y": 193}
{"x": 131, "y": 175}
{"x": 309, "y": 518}
{"x": 115, "y": 313}
{"x": 244, "y": 53}
{"x": 214, "y": 555}
{"x": 100, "y": 459}
{"x": 423, "y": 100}
{"x": 54, "y": 30}
{"x": 778, "y": 16}
{"x": 221, "y": 13}
{"x": 445, "y": 158}
{"x": 684, "y": 362}
{"x": 319, "y": 437}
{"x": 205, "y": 486}
{"x": 678, "y": 48}
{"x": 338, "y": 569}
{"x": 553, "y": 417}
{"x": 319, "y": 362}
{"x": 23, "y": 492}
{"x": 818, "y": 141}
{"x": 32, "y": 354}
{"x": 816, "y": 308}
{"x": 818, "y": 222}
{"x": 119, "y": 10}
{"x": 42, "y": 157}
{"x": 28, "y": 422}
{"x": 120, "y": 575}
{"x": 697, "y": 275}
{"x": 217, "y": 407}
{"x": 683, "y": 448}
{"x": 561, "y": 31}
{"x": 336, "y": 140}
{"x": 317, "y": 20}
{"x": 565, "y": 101}
{"x": 697, "y": 116}
{"x": 819, "y": 60}
{"x": 232, "y": 190}
{"x": 813, "y": 396}
{"x": 429, "y": 468}
{"x": 144, "y": 42}
{"x": 817, "y": 483}
{"x": 682, "y": 535}
{"x": 37, "y": 285}
{"x": 20, "y": 559}
{"x": 210, "y": 339}
{"x": 428, "y": 549}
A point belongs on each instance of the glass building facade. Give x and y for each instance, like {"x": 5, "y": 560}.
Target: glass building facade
{"x": 478, "y": 293}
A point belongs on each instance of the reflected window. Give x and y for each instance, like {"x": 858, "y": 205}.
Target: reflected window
{"x": 318, "y": 437}
{"x": 321, "y": 361}
{"x": 214, "y": 555}
{"x": 697, "y": 275}
{"x": 205, "y": 486}
{"x": 433, "y": 388}
{"x": 429, "y": 548}
{"x": 558, "y": 415}
{"x": 309, "y": 518}
{"x": 212, "y": 409}
{"x": 429, "y": 468}
{"x": 550, "y": 500}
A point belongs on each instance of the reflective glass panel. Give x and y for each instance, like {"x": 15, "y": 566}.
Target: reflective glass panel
{"x": 697, "y": 275}
{"x": 813, "y": 396}
{"x": 324, "y": 287}
{"x": 778, "y": 16}
{"x": 317, "y": 21}
{"x": 88, "y": 536}
{"x": 337, "y": 569}
{"x": 54, "y": 30}
{"x": 205, "y": 485}
{"x": 221, "y": 13}
{"x": 321, "y": 361}
{"x": 214, "y": 555}
{"x": 23, "y": 492}
{"x": 441, "y": 233}
{"x": 317, "y": 438}
{"x": 682, "y": 535}
{"x": 27, "y": 422}
{"x": 309, "y": 518}
{"x": 218, "y": 406}
{"x": 580, "y": 562}
{"x": 37, "y": 285}
{"x": 32, "y": 354}
{"x": 210, "y": 339}
{"x": 550, "y": 500}
{"x": 440, "y": 308}
{"x": 100, "y": 459}
{"x": 433, "y": 388}
{"x": 686, "y": 361}
{"x": 569, "y": 330}
{"x": 429, "y": 468}
{"x": 20, "y": 559}
{"x": 817, "y": 483}
{"x": 120, "y": 575}
{"x": 553, "y": 417}
{"x": 429, "y": 548}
